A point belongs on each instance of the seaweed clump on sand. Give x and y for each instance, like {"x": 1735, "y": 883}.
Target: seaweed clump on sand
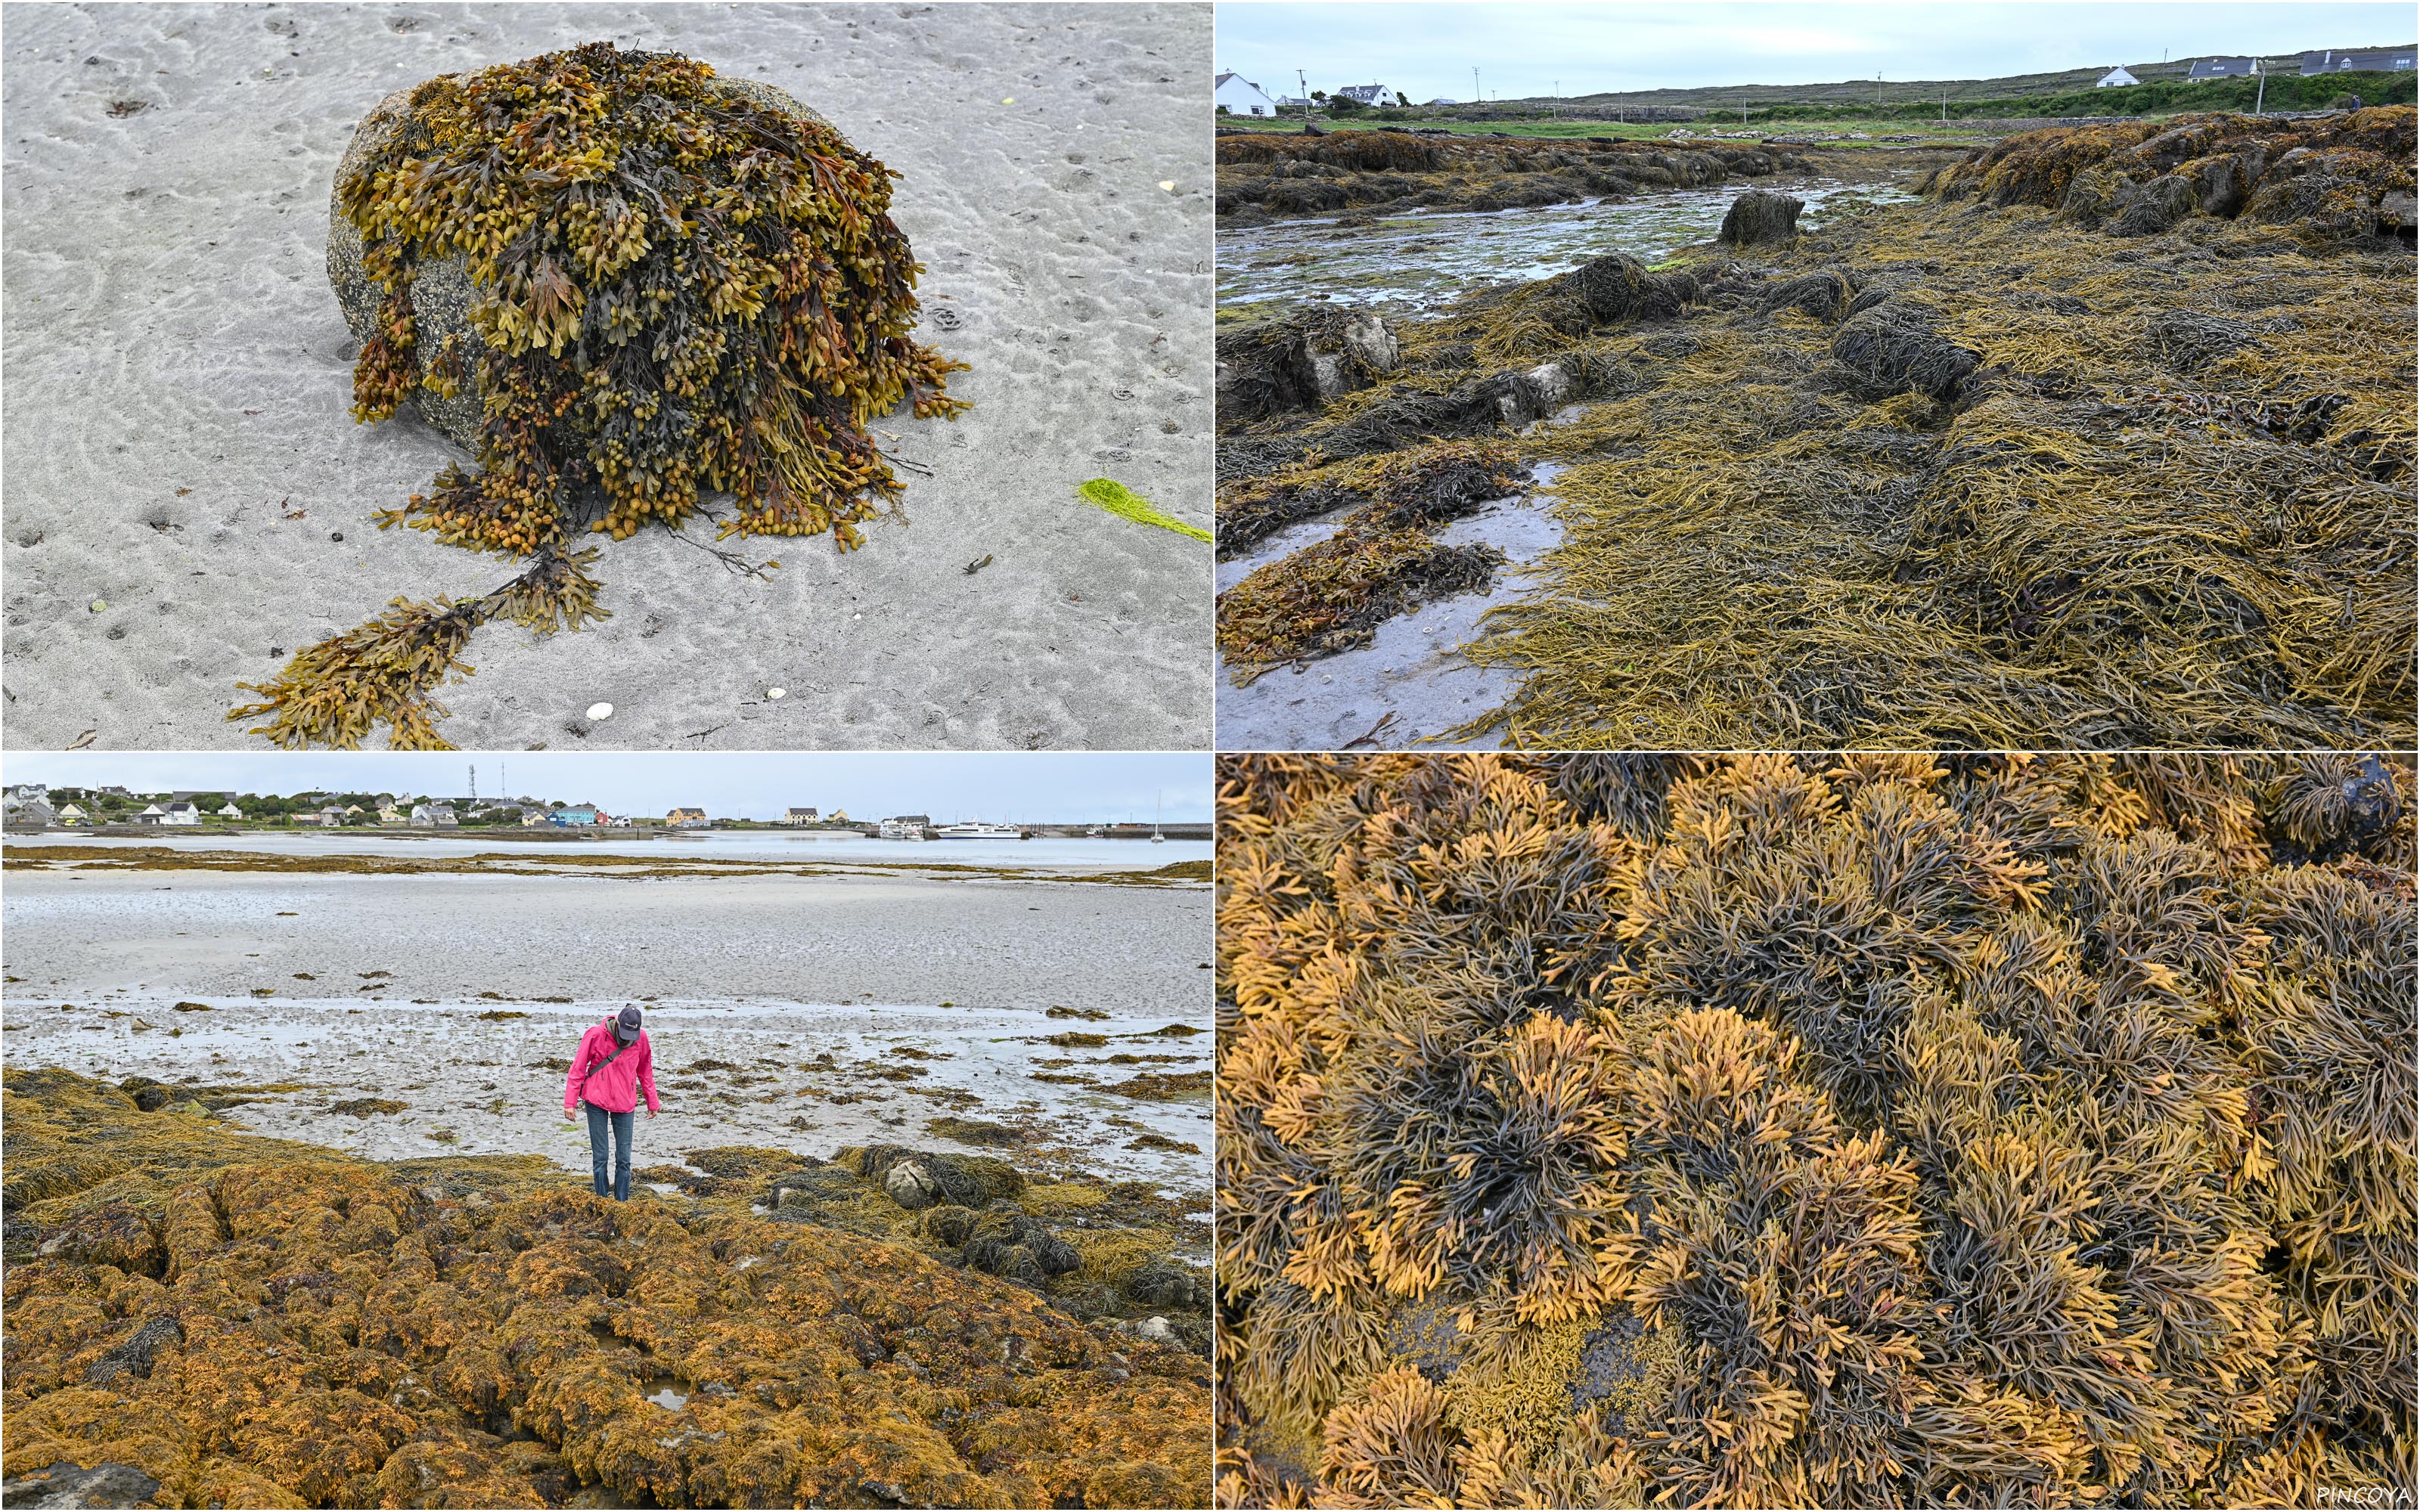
{"x": 251, "y": 1322}
{"x": 1381, "y": 561}
{"x": 1772, "y": 1131}
{"x": 623, "y": 282}
{"x": 1972, "y": 472}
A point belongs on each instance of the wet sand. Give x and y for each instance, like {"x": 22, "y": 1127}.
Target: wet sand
{"x": 840, "y": 1010}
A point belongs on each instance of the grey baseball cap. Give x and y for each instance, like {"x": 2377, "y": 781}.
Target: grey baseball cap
{"x": 625, "y": 1025}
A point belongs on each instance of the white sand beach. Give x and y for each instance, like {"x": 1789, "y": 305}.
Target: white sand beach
{"x": 189, "y": 500}
{"x": 834, "y": 1011}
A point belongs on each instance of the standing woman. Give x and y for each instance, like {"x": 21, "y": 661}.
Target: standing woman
{"x": 613, "y": 1066}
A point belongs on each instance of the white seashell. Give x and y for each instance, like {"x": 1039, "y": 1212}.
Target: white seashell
{"x": 776, "y": 692}
{"x": 600, "y": 711}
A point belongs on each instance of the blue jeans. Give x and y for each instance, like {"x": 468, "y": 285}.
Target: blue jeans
{"x": 597, "y": 1121}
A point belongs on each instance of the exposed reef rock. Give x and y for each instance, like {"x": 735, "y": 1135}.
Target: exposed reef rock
{"x": 2333, "y": 179}
{"x": 1761, "y": 215}
{"x": 1263, "y": 176}
{"x": 244, "y": 1321}
{"x": 1774, "y": 1131}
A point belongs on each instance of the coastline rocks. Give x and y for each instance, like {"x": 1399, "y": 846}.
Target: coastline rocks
{"x": 1761, "y": 215}
{"x": 1018, "y": 1248}
{"x": 443, "y": 294}
{"x": 1167, "y": 1286}
{"x": 1620, "y": 287}
{"x": 1304, "y": 360}
{"x": 67, "y": 1483}
{"x": 2151, "y": 208}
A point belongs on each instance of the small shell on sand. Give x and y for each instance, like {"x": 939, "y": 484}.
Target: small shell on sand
{"x": 776, "y": 692}
{"x": 600, "y": 711}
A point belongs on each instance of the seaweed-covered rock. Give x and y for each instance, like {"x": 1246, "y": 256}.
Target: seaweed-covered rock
{"x": 1008, "y": 1243}
{"x": 1619, "y": 286}
{"x": 69, "y": 1484}
{"x": 949, "y": 1225}
{"x": 1169, "y": 1285}
{"x": 138, "y": 1353}
{"x": 1761, "y": 215}
{"x": 1893, "y": 348}
{"x": 1827, "y": 294}
{"x": 2152, "y": 208}
{"x": 918, "y": 1179}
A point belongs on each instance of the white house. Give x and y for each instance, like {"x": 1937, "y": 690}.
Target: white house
{"x": 1365, "y": 94}
{"x": 2116, "y": 79}
{"x": 807, "y": 816}
{"x": 180, "y": 813}
{"x": 152, "y": 814}
{"x": 1240, "y": 96}
{"x": 71, "y": 815}
{"x": 231, "y": 811}
{"x": 440, "y": 814}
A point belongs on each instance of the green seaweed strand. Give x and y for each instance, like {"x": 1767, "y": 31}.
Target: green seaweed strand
{"x": 1119, "y": 499}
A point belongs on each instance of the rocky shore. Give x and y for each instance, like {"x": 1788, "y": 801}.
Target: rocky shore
{"x": 197, "y": 1317}
{"x": 2107, "y": 442}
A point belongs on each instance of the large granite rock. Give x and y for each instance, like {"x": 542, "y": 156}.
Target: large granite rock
{"x": 442, "y": 290}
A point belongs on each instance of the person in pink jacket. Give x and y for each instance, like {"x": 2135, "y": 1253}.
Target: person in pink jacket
{"x": 613, "y": 1066}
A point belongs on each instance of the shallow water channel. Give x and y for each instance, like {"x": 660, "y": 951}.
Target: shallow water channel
{"x": 1425, "y": 257}
{"x": 1411, "y": 683}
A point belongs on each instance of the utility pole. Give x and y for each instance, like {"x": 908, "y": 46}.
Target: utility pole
{"x": 1477, "y": 96}
{"x": 1304, "y": 85}
{"x": 2260, "y": 98}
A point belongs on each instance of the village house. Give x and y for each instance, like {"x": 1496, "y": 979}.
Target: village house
{"x": 2397, "y": 60}
{"x": 440, "y": 814}
{"x": 686, "y": 819}
{"x": 180, "y": 813}
{"x": 25, "y": 791}
{"x": 392, "y": 816}
{"x": 31, "y": 813}
{"x": 1239, "y": 95}
{"x": 231, "y": 811}
{"x": 152, "y": 814}
{"x": 1366, "y": 94}
{"x": 800, "y": 816}
{"x": 576, "y": 815}
{"x": 2206, "y": 69}
{"x": 70, "y": 814}
{"x": 2116, "y": 79}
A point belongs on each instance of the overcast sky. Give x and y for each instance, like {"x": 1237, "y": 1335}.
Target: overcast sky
{"x": 1522, "y": 50}
{"x": 1024, "y": 786}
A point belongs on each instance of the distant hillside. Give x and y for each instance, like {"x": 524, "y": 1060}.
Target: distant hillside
{"x": 1886, "y": 92}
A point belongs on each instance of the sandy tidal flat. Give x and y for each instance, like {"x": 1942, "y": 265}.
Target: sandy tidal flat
{"x": 837, "y": 1012}
{"x": 189, "y": 500}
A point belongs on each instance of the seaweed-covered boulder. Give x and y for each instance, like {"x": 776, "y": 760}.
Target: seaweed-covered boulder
{"x": 1893, "y": 348}
{"x": 1761, "y": 215}
{"x": 947, "y": 1224}
{"x": 137, "y": 1353}
{"x": 1301, "y": 361}
{"x": 442, "y": 293}
{"x": 2152, "y": 208}
{"x": 918, "y": 1179}
{"x": 1825, "y": 294}
{"x": 1620, "y": 288}
{"x": 1169, "y": 1285}
{"x": 1010, "y": 1243}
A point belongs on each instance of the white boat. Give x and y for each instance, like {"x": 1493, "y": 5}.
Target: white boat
{"x": 977, "y": 829}
{"x": 1157, "y": 838}
{"x": 894, "y": 829}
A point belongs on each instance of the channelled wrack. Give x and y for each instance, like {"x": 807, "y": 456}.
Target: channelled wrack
{"x": 679, "y": 287}
{"x": 1772, "y": 1131}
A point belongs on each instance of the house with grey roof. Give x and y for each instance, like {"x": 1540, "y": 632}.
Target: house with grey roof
{"x": 2335, "y": 60}
{"x": 2206, "y": 69}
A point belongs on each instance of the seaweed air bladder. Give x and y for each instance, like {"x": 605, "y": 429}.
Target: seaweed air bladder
{"x": 625, "y": 281}
{"x": 1770, "y": 1131}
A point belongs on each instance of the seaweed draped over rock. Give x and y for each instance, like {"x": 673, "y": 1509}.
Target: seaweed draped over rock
{"x": 1768, "y": 1131}
{"x": 251, "y": 1322}
{"x": 622, "y": 282}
